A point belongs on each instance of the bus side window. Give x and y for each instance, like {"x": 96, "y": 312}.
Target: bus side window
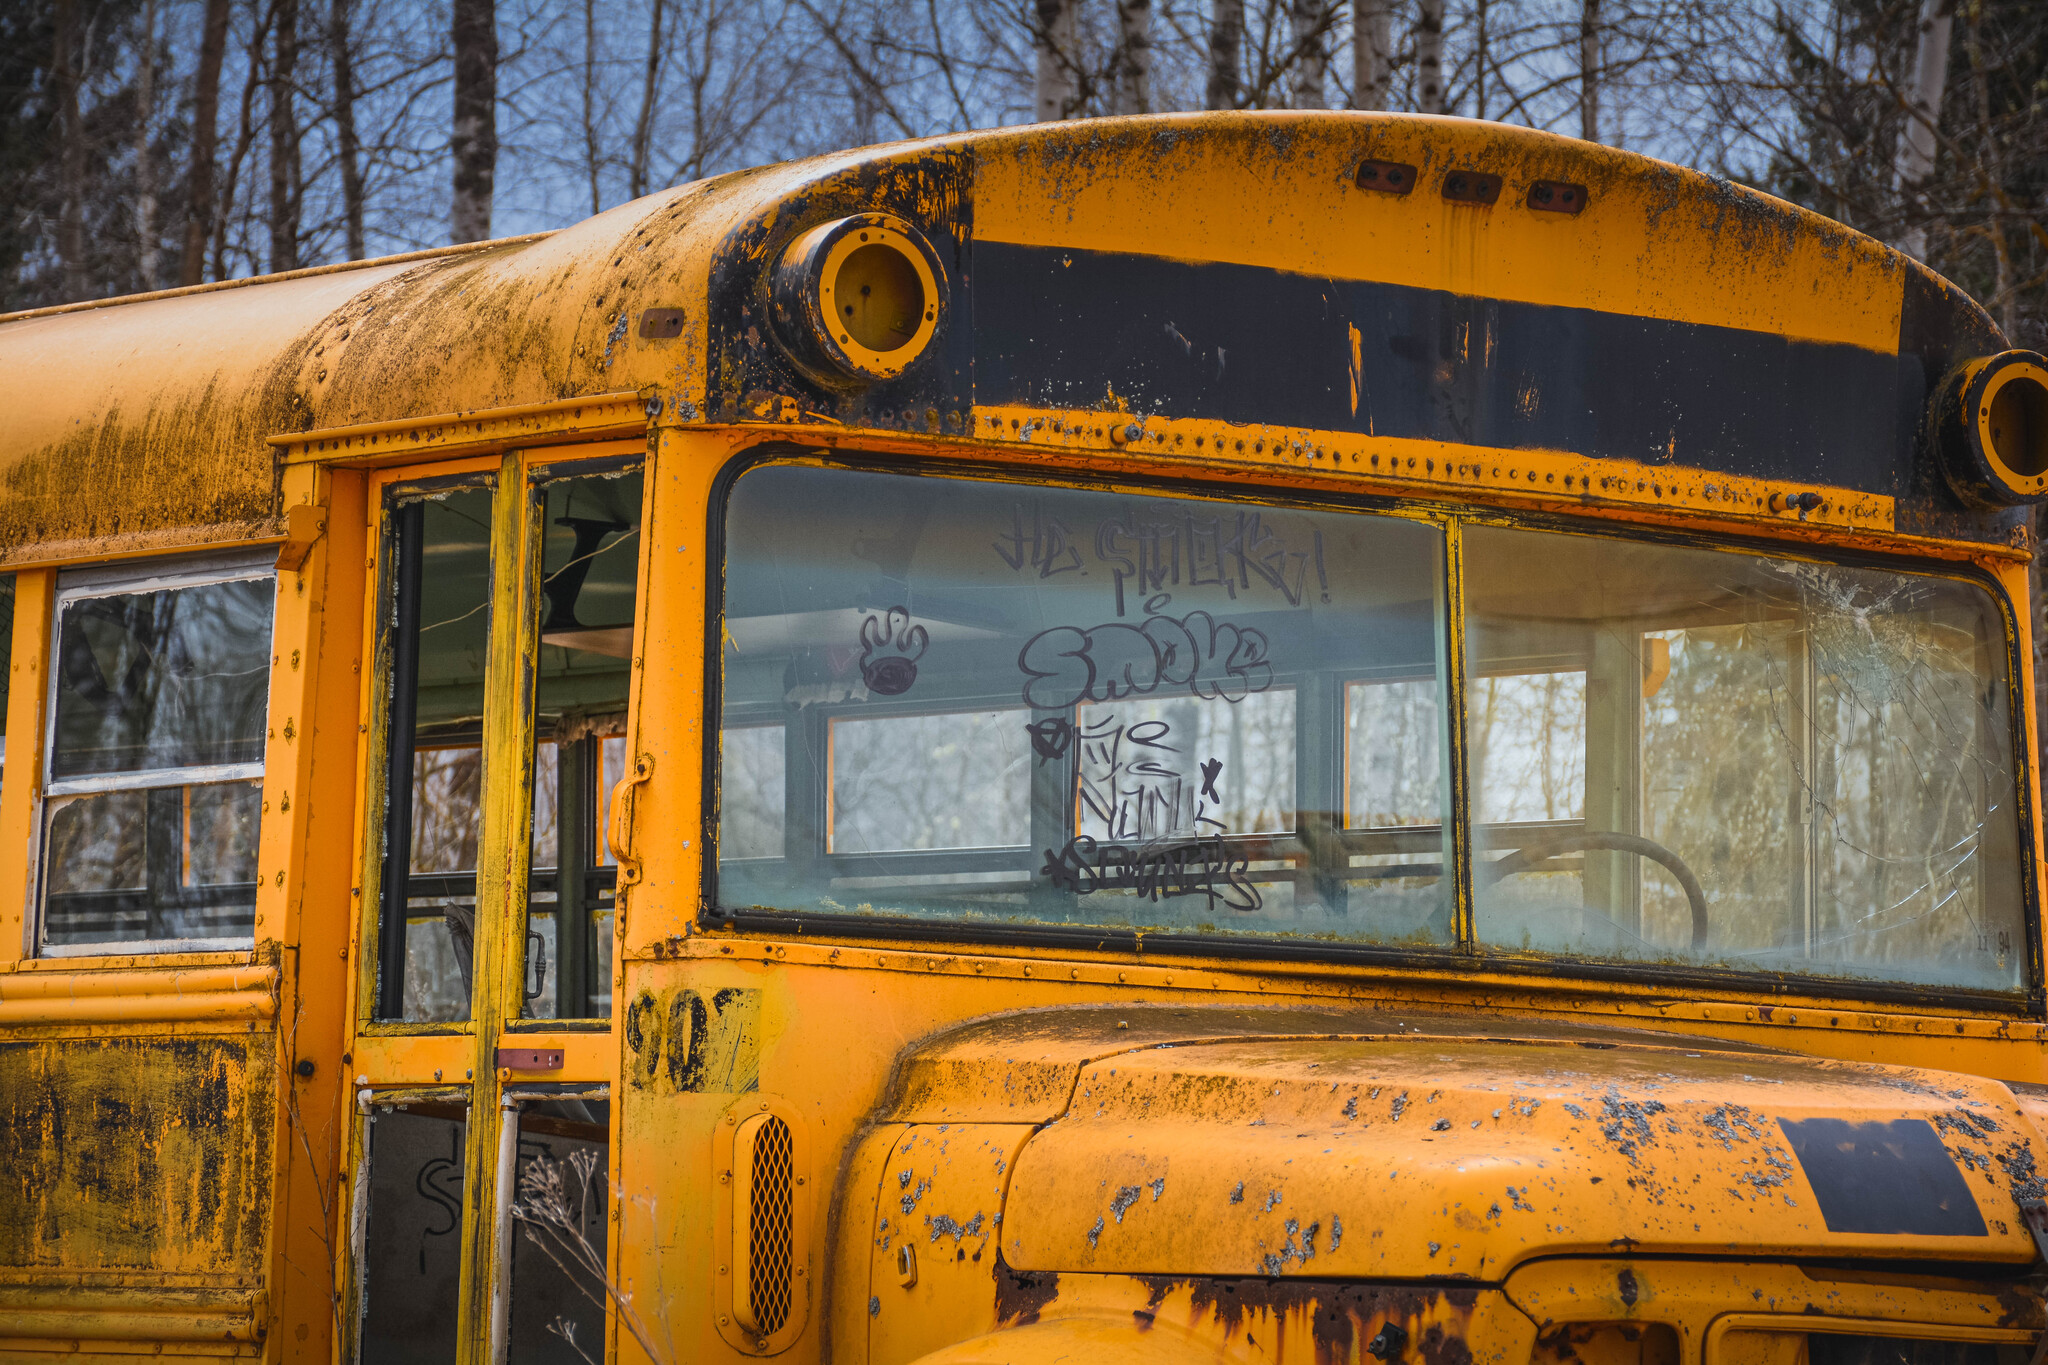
{"x": 153, "y": 782}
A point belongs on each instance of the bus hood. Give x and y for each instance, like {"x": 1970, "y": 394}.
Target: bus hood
{"x": 1443, "y": 1152}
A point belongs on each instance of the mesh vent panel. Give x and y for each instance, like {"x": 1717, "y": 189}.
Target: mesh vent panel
{"x": 770, "y": 1230}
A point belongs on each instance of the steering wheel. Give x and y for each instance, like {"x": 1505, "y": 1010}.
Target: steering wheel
{"x": 1529, "y": 855}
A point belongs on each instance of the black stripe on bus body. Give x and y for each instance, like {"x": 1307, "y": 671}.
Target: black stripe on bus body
{"x": 1065, "y": 328}
{"x": 1893, "y": 1179}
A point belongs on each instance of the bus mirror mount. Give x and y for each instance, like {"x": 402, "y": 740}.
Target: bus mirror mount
{"x": 858, "y": 299}
{"x": 1990, "y": 423}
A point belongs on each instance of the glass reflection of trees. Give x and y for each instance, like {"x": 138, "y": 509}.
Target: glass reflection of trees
{"x": 1827, "y": 748}
{"x": 156, "y": 749}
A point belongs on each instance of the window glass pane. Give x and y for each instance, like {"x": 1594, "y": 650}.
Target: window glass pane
{"x": 1143, "y": 774}
{"x": 1703, "y": 756}
{"x": 590, "y": 563}
{"x": 412, "y": 1250}
{"x": 957, "y": 780}
{"x": 439, "y": 618}
{"x": 750, "y": 791}
{"x": 1391, "y": 755}
{"x": 154, "y": 863}
{"x": 1036, "y": 705}
{"x": 172, "y": 678}
{"x": 562, "y": 1234}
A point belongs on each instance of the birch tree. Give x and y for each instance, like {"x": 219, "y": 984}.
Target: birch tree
{"x": 1372, "y": 53}
{"x": 1914, "y": 160}
{"x": 1226, "y": 45}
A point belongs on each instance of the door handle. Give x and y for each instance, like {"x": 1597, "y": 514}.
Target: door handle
{"x": 619, "y": 821}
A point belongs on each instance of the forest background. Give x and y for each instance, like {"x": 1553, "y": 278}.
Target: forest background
{"x": 151, "y": 143}
{"x": 146, "y": 144}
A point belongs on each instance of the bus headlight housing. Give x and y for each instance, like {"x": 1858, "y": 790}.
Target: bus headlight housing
{"x": 1991, "y": 427}
{"x": 858, "y": 298}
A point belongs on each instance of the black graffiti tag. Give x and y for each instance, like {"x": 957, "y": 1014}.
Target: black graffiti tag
{"x": 889, "y": 650}
{"x": 1207, "y": 657}
{"x": 1185, "y": 867}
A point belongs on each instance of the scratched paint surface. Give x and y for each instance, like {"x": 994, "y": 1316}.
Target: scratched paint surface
{"x": 1387, "y": 1158}
{"x": 137, "y": 1154}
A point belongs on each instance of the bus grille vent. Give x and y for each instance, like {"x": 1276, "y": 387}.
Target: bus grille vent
{"x": 771, "y": 1227}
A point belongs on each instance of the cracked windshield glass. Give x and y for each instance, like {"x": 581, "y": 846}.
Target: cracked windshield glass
{"x": 1059, "y": 706}
{"x": 1704, "y": 757}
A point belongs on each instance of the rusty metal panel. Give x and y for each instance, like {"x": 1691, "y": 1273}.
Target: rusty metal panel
{"x": 142, "y": 1154}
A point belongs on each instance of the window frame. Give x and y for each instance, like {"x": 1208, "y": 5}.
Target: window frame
{"x": 109, "y": 580}
{"x": 1465, "y": 952}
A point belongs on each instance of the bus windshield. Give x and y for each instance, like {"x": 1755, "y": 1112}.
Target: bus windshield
{"x": 946, "y": 699}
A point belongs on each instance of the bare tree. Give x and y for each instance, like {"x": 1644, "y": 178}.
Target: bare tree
{"x": 245, "y": 137}
{"x": 1310, "y": 23}
{"x": 593, "y": 153}
{"x": 341, "y": 56}
{"x": 199, "y": 192}
{"x": 145, "y": 159}
{"x": 1057, "y": 93}
{"x": 643, "y": 129}
{"x": 1589, "y": 70}
{"x": 1429, "y": 57}
{"x": 1226, "y": 43}
{"x": 65, "y": 77}
{"x": 1132, "y": 90}
{"x": 1915, "y": 157}
{"x": 1372, "y": 53}
{"x": 284, "y": 139}
{"x": 474, "y": 143}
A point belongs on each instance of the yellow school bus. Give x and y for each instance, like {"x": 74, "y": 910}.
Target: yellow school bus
{"x": 1242, "y": 738}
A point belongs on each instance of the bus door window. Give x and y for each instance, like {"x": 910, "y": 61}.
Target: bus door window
{"x": 560, "y": 1229}
{"x": 439, "y": 627}
{"x": 1823, "y": 752}
{"x": 153, "y": 786}
{"x": 1034, "y": 704}
{"x": 590, "y": 556}
{"x": 409, "y": 1255}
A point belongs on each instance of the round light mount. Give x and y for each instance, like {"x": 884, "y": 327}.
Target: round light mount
{"x": 1992, "y": 427}
{"x": 858, "y": 298}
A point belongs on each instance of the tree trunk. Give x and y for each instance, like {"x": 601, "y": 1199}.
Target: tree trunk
{"x": 1134, "y": 57}
{"x": 284, "y": 141}
{"x": 1372, "y": 54}
{"x": 145, "y": 162}
{"x": 1310, "y": 48}
{"x": 1226, "y": 42}
{"x": 593, "y": 154}
{"x": 1053, "y": 38}
{"x": 1429, "y": 57}
{"x": 474, "y": 140}
{"x": 1915, "y": 158}
{"x": 341, "y": 52}
{"x": 643, "y": 127}
{"x": 1589, "y": 70}
{"x": 1479, "y": 59}
{"x": 64, "y": 78}
{"x": 199, "y": 191}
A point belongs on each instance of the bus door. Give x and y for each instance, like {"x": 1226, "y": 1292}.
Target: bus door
{"x": 482, "y": 1047}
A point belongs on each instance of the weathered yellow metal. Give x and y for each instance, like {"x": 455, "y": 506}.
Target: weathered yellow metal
{"x": 1015, "y": 1148}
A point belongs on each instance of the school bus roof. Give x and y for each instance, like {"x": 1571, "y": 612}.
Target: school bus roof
{"x": 1199, "y": 277}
